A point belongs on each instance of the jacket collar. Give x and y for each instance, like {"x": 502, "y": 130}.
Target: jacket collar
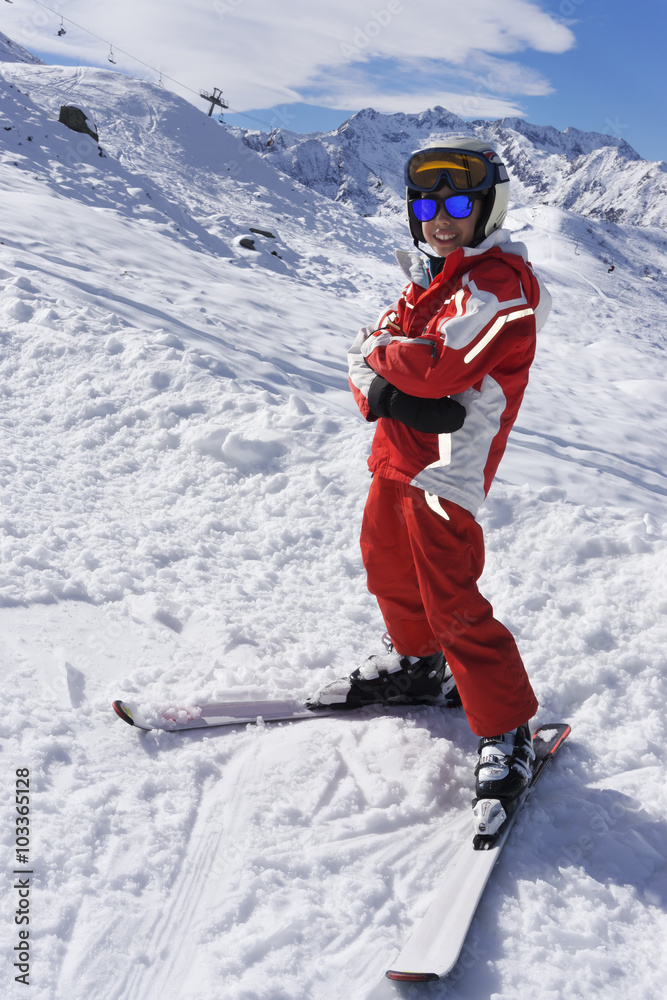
{"x": 415, "y": 265}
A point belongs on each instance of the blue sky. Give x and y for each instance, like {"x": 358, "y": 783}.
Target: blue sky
{"x": 614, "y": 79}
{"x": 592, "y": 64}
{"x": 611, "y": 80}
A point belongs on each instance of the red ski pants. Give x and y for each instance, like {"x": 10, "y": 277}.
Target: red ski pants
{"x": 423, "y": 556}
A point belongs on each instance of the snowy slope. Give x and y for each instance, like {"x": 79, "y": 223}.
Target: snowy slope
{"x": 182, "y": 479}
{"x": 11, "y": 51}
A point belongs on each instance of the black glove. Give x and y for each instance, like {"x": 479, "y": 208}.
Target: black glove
{"x": 431, "y": 416}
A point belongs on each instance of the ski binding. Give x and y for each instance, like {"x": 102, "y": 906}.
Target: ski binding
{"x": 488, "y": 818}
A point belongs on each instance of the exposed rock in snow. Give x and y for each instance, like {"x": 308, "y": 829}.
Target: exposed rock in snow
{"x": 78, "y": 120}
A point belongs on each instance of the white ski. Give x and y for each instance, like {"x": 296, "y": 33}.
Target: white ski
{"x": 238, "y": 713}
{"x": 227, "y": 713}
{"x": 436, "y": 943}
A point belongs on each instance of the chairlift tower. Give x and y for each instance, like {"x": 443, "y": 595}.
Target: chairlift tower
{"x": 216, "y": 99}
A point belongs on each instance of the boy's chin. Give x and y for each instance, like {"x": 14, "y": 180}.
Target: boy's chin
{"x": 443, "y": 251}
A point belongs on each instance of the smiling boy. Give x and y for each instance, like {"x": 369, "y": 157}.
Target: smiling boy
{"x": 443, "y": 373}
{"x": 444, "y": 232}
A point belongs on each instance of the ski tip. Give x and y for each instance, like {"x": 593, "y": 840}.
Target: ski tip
{"x": 552, "y": 734}
{"x": 411, "y": 977}
{"x": 563, "y": 735}
{"x": 123, "y": 712}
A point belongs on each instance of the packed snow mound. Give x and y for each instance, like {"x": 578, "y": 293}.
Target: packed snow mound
{"x": 361, "y": 163}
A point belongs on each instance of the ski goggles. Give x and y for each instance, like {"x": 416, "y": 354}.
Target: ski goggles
{"x": 462, "y": 171}
{"x": 457, "y": 206}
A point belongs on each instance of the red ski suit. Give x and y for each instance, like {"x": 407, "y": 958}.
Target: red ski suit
{"x": 469, "y": 333}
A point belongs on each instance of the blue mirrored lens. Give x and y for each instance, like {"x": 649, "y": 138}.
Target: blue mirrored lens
{"x": 458, "y": 206}
{"x": 425, "y": 209}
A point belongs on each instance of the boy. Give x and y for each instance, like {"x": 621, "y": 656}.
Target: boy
{"x": 444, "y": 374}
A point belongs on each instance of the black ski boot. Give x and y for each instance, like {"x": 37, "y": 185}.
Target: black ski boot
{"x": 505, "y": 765}
{"x": 391, "y": 679}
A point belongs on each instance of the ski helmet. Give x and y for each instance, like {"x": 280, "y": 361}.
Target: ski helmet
{"x": 466, "y": 165}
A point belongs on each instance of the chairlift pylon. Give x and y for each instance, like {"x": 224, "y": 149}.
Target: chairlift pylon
{"x": 216, "y": 99}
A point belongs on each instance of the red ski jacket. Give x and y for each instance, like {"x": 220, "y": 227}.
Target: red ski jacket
{"x": 469, "y": 333}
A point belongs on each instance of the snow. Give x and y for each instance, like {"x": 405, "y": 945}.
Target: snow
{"x": 11, "y": 51}
{"x": 183, "y": 475}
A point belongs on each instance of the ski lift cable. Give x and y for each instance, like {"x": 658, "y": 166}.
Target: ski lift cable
{"x": 163, "y": 76}
{"x": 107, "y": 42}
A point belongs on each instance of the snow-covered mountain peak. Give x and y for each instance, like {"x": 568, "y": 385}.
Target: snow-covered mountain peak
{"x": 572, "y": 142}
{"x": 361, "y": 163}
{"x": 391, "y": 126}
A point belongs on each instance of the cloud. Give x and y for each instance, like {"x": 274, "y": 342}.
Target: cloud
{"x": 480, "y": 89}
{"x": 466, "y": 106}
{"x": 268, "y": 52}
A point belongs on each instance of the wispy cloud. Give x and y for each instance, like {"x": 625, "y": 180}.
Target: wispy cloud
{"x": 465, "y": 106}
{"x": 396, "y": 55}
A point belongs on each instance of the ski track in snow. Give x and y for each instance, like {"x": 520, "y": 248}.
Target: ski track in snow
{"x": 183, "y": 476}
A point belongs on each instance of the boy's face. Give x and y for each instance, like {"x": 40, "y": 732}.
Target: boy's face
{"x": 443, "y": 233}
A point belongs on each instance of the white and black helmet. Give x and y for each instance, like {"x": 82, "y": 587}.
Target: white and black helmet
{"x": 467, "y": 165}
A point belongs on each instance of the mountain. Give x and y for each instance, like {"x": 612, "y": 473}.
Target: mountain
{"x": 11, "y": 51}
{"x": 361, "y": 163}
{"x": 182, "y": 479}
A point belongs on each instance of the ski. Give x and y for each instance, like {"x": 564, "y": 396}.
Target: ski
{"x": 225, "y": 713}
{"x": 238, "y": 713}
{"x": 436, "y": 943}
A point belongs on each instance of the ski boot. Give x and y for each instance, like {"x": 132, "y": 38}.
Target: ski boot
{"x": 391, "y": 679}
{"x": 503, "y": 772}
